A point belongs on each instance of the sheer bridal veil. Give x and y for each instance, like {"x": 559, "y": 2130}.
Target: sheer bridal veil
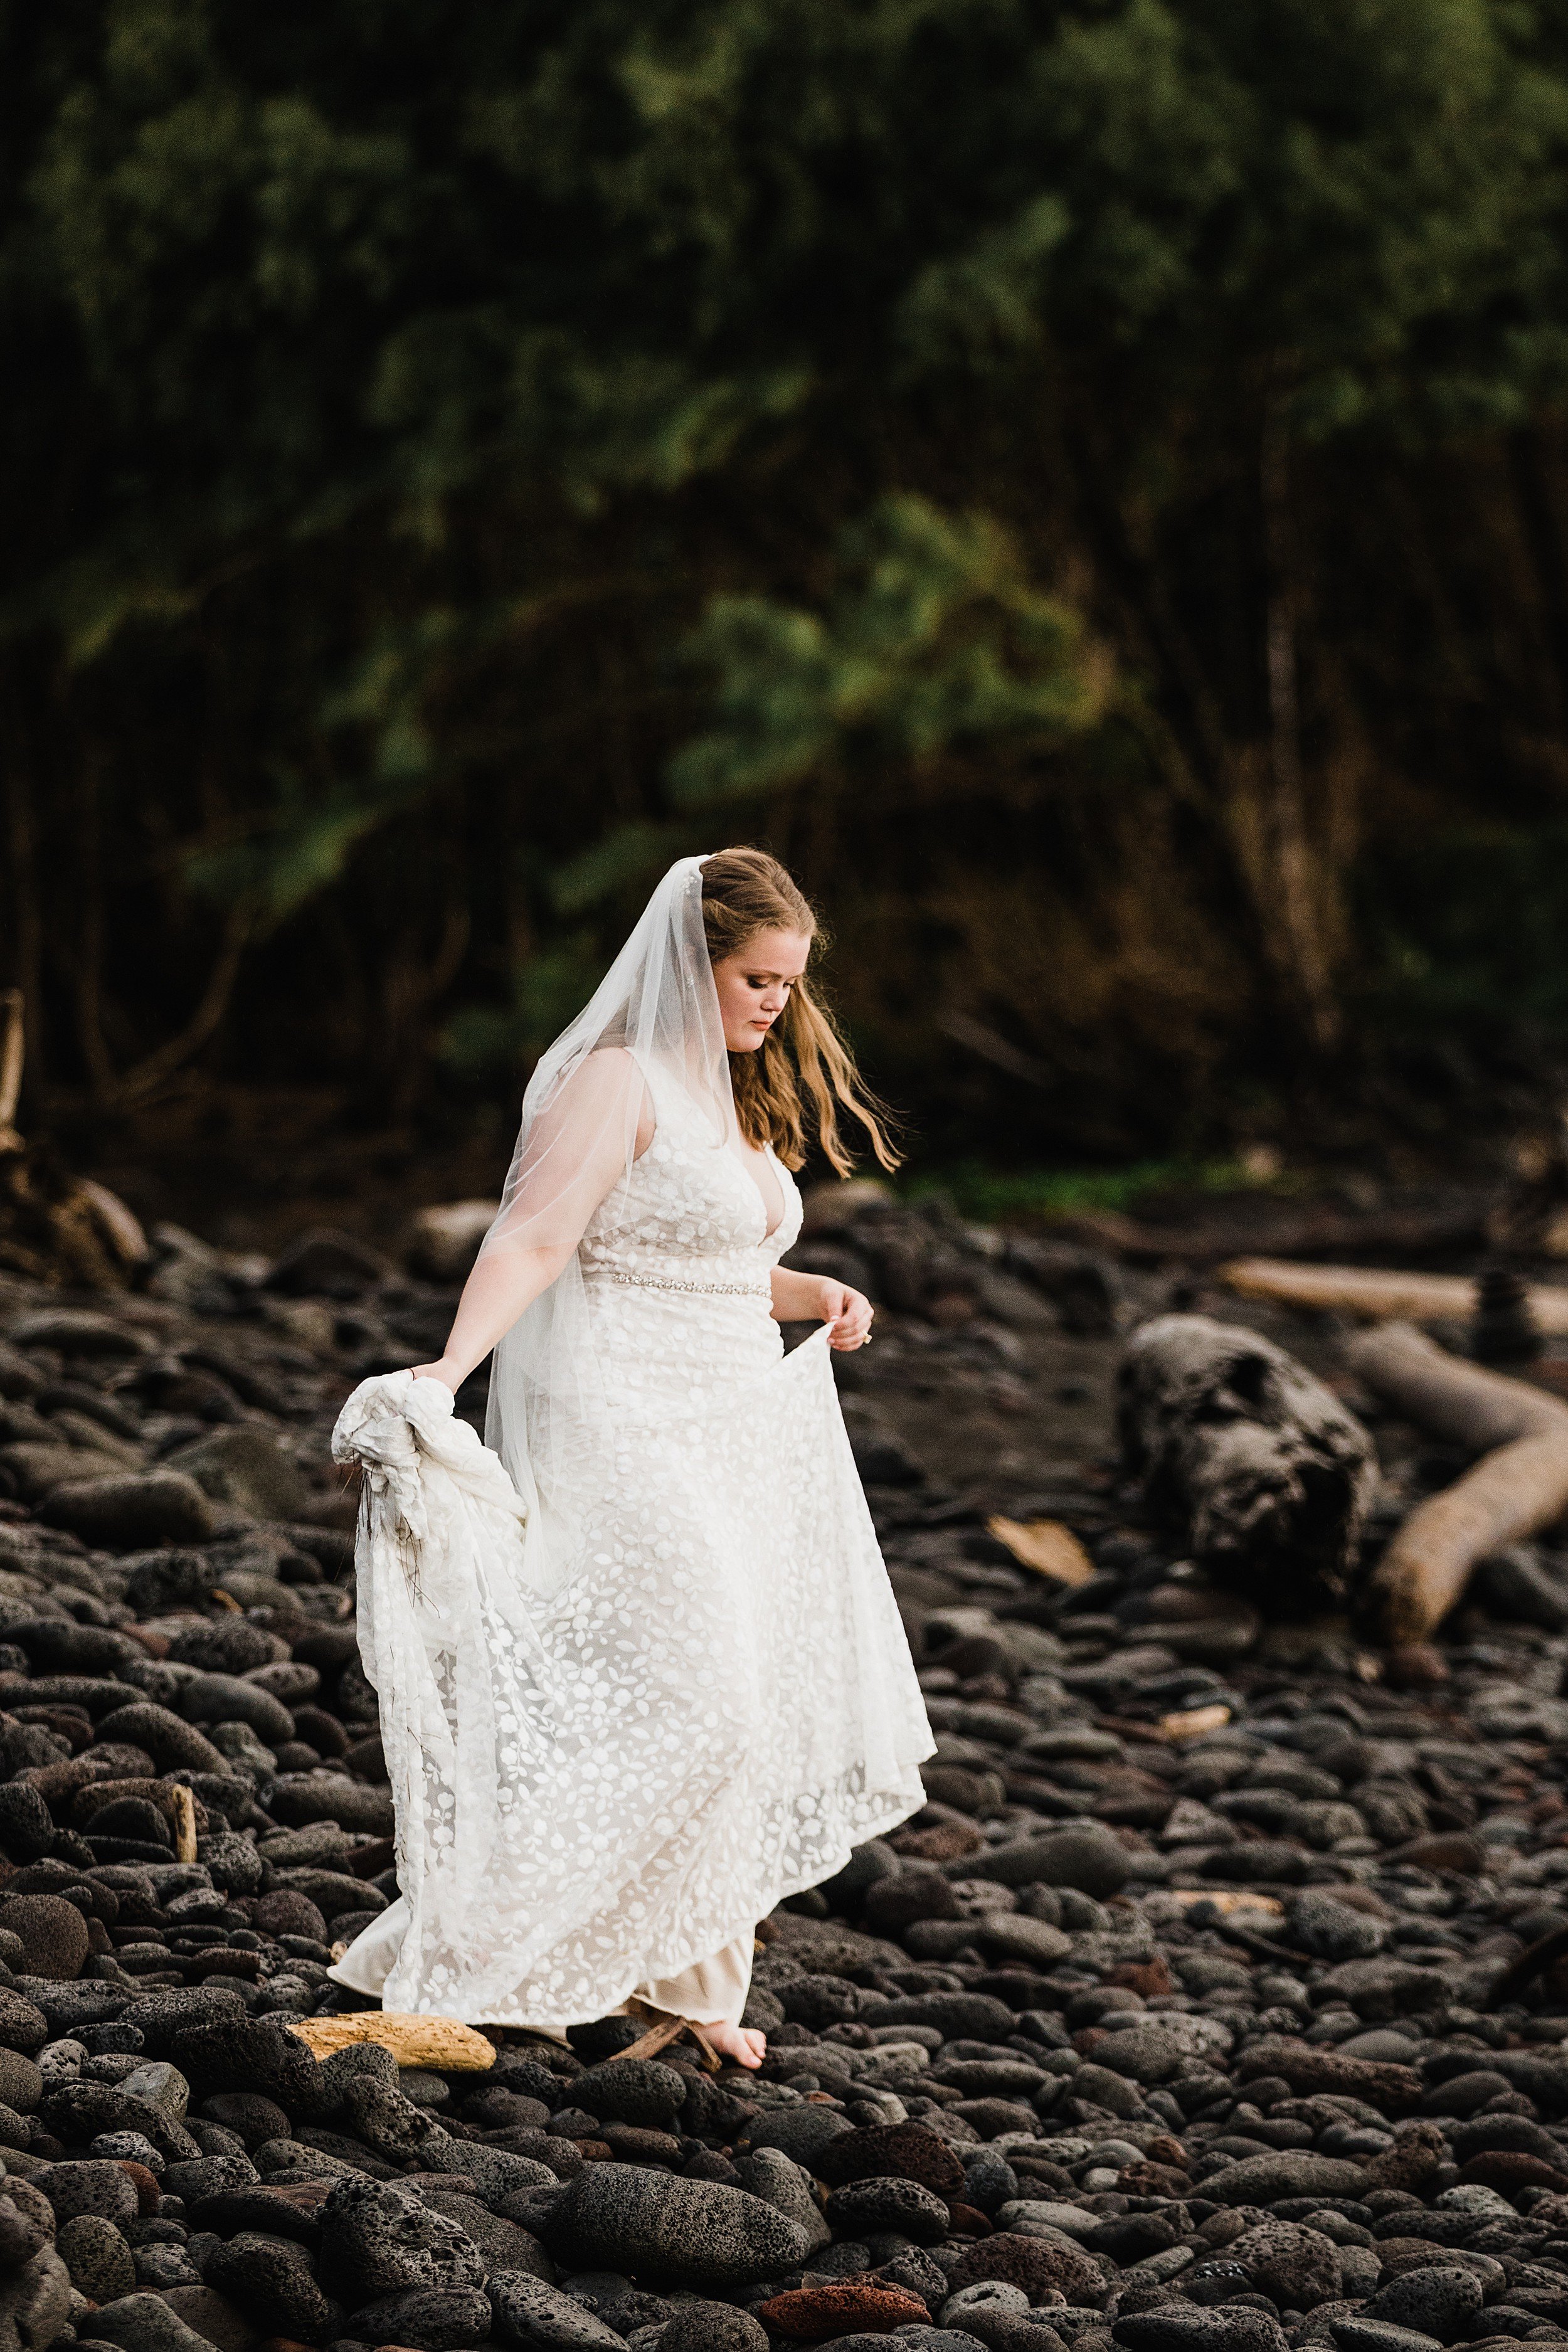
{"x": 655, "y": 1013}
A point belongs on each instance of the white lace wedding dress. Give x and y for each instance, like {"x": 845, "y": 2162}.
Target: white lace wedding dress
{"x": 604, "y": 1777}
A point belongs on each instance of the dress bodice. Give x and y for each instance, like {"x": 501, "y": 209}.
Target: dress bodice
{"x": 675, "y": 1265}
{"x": 690, "y": 1212}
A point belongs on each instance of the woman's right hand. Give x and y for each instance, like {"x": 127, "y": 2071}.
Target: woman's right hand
{"x": 450, "y": 1375}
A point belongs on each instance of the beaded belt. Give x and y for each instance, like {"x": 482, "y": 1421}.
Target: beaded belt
{"x": 701, "y": 1289}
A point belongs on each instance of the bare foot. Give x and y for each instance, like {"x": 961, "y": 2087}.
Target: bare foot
{"x": 743, "y": 2043}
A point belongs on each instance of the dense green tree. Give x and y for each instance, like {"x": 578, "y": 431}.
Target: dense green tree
{"x": 1083, "y": 477}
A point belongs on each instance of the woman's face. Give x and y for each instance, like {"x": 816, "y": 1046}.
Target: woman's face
{"x": 755, "y": 985}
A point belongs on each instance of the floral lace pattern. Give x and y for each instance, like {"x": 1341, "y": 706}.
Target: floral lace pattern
{"x": 715, "y": 1702}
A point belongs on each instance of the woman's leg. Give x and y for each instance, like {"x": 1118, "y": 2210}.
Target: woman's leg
{"x": 712, "y": 1994}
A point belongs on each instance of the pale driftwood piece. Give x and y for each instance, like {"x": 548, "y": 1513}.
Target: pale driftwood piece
{"x": 1044, "y": 1545}
{"x": 12, "y": 1043}
{"x": 1379, "y": 1297}
{"x": 1520, "y": 1487}
{"x": 185, "y": 1813}
{"x": 54, "y": 1227}
{"x": 443, "y": 2043}
{"x": 1250, "y": 1462}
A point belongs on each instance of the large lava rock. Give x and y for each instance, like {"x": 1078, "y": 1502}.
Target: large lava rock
{"x": 615, "y": 2216}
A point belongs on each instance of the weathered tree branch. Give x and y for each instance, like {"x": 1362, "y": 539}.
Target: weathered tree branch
{"x": 1520, "y": 1487}
{"x": 13, "y": 1048}
{"x": 1379, "y": 1296}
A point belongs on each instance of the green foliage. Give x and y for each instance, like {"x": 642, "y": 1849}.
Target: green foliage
{"x": 454, "y": 455}
{"x": 936, "y": 640}
{"x": 983, "y": 1192}
{"x": 547, "y": 991}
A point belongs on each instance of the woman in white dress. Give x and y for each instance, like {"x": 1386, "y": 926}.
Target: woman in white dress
{"x": 657, "y": 1682}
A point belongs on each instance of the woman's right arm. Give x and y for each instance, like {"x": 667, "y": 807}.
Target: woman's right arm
{"x": 579, "y": 1151}
{"x": 502, "y": 1285}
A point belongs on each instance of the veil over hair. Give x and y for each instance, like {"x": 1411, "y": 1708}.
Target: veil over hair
{"x": 655, "y": 1013}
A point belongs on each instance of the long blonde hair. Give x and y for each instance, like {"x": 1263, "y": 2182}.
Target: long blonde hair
{"x": 746, "y": 891}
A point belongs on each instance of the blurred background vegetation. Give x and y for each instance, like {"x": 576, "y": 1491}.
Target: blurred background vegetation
{"x": 1083, "y": 479}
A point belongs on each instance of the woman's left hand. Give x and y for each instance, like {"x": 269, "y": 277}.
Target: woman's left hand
{"x": 849, "y": 1312}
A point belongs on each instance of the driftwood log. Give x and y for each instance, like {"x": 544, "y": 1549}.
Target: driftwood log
{"x": 1520, "y": 1487}
{"x": 54, "y": 1226}
{"x": 1377, "y": 1296}
{"x": 1245, "y": 1458}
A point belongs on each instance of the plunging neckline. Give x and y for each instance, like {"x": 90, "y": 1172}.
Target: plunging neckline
{"x": 745, "y": 1153}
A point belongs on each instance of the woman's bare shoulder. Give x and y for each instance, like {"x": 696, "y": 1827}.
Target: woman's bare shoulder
{"x": 610, "y": 1080}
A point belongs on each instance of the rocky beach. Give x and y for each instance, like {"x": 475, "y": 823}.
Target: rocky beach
{"x": 1217, "y": 1998}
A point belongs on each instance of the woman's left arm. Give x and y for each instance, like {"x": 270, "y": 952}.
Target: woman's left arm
{"x": 814, "y": 1298}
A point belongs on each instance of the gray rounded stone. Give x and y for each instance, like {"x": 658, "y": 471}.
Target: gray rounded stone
{"x": 360, "y": 2058}
{"x": 380, "y": 2240}
{"x": 163, "y": 2266}
{"x": 1385, "y": 2044}
{"x": 528, "y": 2312}
{"x": 930, "y": 2339}
{"x": 712, "y": 2328}
{"x": 986, "y": 2295}
{"x": 330, "y": 1797}
{"x": 249, "y": 2115}
{"x": 207, "y": 2176}
{"x": 272, "y": 2277}
{"x": 95, "y": 2187}
{"x": 162, "y": 2086}
{"x": 131, "y": 1512}
{"x": 212, "y": 2315}
{"x": 129, "y": 2148}
{"x": 864, "y": 2206}
{"x": 35, "y": 2302}
{"x": 505, "y": 2245}
{"x": 631, "y": 2091}
{"x": 236, "y": 1867}
{"x": 145, "y": 2323}
{"x": 938, "y": 2339}
{"x": 1092, "y": 1861}
{"x": 1224, "y": 2329}
{"x": 1261, "y": 2180}
{"x": 651, "y": 2225}
{"x": 1440, "y": 2302}
{"x": 53, "y": 1933}
{"x": 779, "y": 2182}
{"x": 430, "y": 2318}
{"x": 27, "y": 2223}
{"x": 1335, "y": 1931}
{"x": 1357, "y": 2333}
{"x": 390, "y": 2126}
{"x": 171, "y": 1742}
{"x": 23, "y": 2025}
{"x": 1294, "y": 2266}
{"x": 1142, "y": 2053}
{"x": 21, "y": 2082}
{"x": 231, "y": 1698}
{"x": 801, "y": 2133}
{"x": 1013, "y": 1935}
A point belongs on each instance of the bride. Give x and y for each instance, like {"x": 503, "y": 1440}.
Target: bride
{"x": 665, "y": 1685}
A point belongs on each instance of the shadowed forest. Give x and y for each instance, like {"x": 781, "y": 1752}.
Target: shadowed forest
{"x": 1085, "y": 483}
